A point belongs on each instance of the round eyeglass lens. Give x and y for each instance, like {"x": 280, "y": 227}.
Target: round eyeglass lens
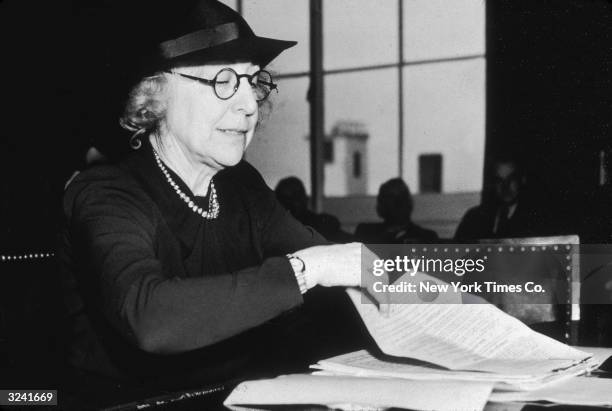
{"x": 262, "y": 85}
{"x": 225, "y": 83}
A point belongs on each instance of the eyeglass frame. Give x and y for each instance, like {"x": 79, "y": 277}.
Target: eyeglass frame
{"x": 213, "y": 82}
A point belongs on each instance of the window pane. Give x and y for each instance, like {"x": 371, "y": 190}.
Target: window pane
{"x": 280, "y": 147}
{"x": 286, "y": 20}
{"x": 445, "y": 113}
{"x": 361, "y": 114}
{"x": 442, "y": 28}
{"x": 359, "y": 32}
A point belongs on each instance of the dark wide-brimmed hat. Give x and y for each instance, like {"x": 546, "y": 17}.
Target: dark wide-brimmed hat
{"x": 193, "y": 32}
{"x": 126, "y": 40}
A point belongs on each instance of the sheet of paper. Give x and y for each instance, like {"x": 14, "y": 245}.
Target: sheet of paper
{"x": 362, "y": 363}
{"x": 470, "y": 336}
{"x": 373, "y": 392}
{"x": 600, "y": 354}
{"x": 575, "y": 391}
{"x": 365, "y": 364}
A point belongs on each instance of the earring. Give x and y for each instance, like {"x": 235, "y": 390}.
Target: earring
{"x": 135, "y": 142}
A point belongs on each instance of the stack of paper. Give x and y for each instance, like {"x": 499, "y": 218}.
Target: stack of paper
{"x": 476, "y": 337}
{"x": 576, "y": 391}
{"x": 475, "y": 342}
{"x": 436, "y": 356}
{"x": 343, "y": 392}
{"x": 523, "y": 377}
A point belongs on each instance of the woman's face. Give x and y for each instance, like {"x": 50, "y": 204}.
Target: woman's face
{"x": 208, "y": 130}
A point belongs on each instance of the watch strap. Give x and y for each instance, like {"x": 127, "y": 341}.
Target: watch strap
{"x": 299, "y": 269}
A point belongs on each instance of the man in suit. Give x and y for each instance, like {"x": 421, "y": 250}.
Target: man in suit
{"x": 508, "y": 213}
{"x": 394, "y": 205}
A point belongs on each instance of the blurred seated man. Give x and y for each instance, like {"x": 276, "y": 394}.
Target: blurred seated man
{"x": 291, "y": 193}
{"x": 509, "y": 212}
{"x": 394, "y": 205}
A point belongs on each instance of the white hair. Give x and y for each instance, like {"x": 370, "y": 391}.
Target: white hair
{"x": 145, "y": 106}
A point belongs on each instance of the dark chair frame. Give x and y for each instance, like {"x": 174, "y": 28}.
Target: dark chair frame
{"x": 571, "y": 245}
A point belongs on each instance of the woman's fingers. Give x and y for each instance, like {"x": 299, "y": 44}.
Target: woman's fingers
{"x": 375, "y": 282}
{"x": 385, "y": 310}
{"x": 380, "y": 299}
{"x": 384, "y": 299}
{"x": 332, "y": 265}
{"x": 348, "y": 265}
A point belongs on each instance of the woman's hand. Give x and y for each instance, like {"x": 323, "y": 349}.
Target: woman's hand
{"x": 345, "y": 265}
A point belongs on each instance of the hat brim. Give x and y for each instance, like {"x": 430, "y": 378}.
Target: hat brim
{"x": 258, "y": 50}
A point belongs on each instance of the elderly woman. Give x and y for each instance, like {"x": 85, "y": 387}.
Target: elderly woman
{"x": 181, "y": 262}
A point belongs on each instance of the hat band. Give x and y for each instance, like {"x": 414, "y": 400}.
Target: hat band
{"x": 199, "y": 40}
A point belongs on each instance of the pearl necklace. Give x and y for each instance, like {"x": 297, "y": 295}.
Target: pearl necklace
{"x": 213, "y": 202}
{"x": 32, "y": 256}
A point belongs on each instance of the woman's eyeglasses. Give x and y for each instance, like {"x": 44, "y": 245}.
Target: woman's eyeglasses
{"x": 227, "y": 81}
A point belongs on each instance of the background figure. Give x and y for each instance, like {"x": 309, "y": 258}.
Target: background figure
{"x": 506, "y": 210}
{"x": 394, "y": 205}
{"x": 291, "y": 193}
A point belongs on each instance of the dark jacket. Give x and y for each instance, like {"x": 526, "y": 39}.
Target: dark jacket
{"x": 156, "y": 292}
{"x": 479, "y": 222}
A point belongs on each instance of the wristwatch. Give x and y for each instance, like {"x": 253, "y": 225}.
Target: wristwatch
{"x": 299, "y": 269}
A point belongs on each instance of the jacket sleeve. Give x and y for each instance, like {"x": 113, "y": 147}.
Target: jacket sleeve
{"x": 113, "y": 235}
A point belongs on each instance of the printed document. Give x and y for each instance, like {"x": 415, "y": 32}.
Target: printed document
{"x": 476, "y": 337}
{"x": 576, "y": 391}
{"x": 364, "y": 364}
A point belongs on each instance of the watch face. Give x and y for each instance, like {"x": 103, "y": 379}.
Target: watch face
{"x": 297, "y": 264}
